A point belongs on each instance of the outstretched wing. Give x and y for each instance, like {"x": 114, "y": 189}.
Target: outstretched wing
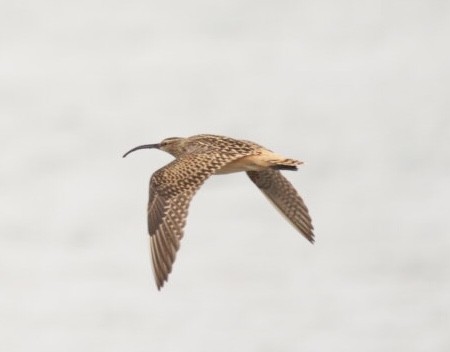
{"x": 171, "y": 190}
{"x": 285, "y": 198}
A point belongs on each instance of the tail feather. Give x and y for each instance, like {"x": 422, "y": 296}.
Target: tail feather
{"x": 285, "y": 167}
{"x": 286, "y": 164}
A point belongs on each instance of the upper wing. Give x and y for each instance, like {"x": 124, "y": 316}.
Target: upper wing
{"x": 285, "y": 198}
{"x": 171, "y": 190}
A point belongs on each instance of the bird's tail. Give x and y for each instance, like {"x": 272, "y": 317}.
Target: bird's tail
{"x": 286, "y": 164}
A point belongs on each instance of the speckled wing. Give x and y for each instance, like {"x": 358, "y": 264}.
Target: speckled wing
{"x": 285, "y": 198}
{"x": 171, "y": 190}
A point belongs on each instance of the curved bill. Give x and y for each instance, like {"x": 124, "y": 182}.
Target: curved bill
{"x": 145, "y": 146}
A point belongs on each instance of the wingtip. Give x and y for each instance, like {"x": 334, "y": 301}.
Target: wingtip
{"x": 159, "y": 284}
{"x": 310, "y": 237}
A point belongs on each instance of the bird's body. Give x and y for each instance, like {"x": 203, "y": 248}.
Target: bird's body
{"x": 196, "y": 158}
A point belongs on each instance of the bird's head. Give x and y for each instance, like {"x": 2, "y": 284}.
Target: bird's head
{"x": 171, "y": 145}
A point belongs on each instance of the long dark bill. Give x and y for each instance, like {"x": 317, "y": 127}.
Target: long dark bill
{"x": 145, "y": 146}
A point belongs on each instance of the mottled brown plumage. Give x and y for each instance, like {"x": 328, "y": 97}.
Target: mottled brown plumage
{"x": 198, "y": 157}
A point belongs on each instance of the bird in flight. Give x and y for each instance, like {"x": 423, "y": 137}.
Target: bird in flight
{"x": 196, "y": 158}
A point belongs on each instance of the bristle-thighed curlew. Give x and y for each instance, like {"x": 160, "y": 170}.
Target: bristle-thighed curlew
{"x": 196, "y": 158}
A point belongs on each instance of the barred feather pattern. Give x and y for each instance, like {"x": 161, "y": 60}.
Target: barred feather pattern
{"x": 285, "y": 198}
{"x": 171, "y": 190}
{"x": 196, "y": 158}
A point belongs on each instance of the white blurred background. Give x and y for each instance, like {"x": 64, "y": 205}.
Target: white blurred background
{"x": 359, "y": 90}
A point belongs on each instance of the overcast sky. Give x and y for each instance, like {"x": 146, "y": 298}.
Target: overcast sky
{"x": 357, "y": 90}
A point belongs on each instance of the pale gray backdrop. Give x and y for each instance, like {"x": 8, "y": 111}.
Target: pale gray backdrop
{"x": 359, "y": 90}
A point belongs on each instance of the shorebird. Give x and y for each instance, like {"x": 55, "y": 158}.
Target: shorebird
{"x": 196, "y": 158}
